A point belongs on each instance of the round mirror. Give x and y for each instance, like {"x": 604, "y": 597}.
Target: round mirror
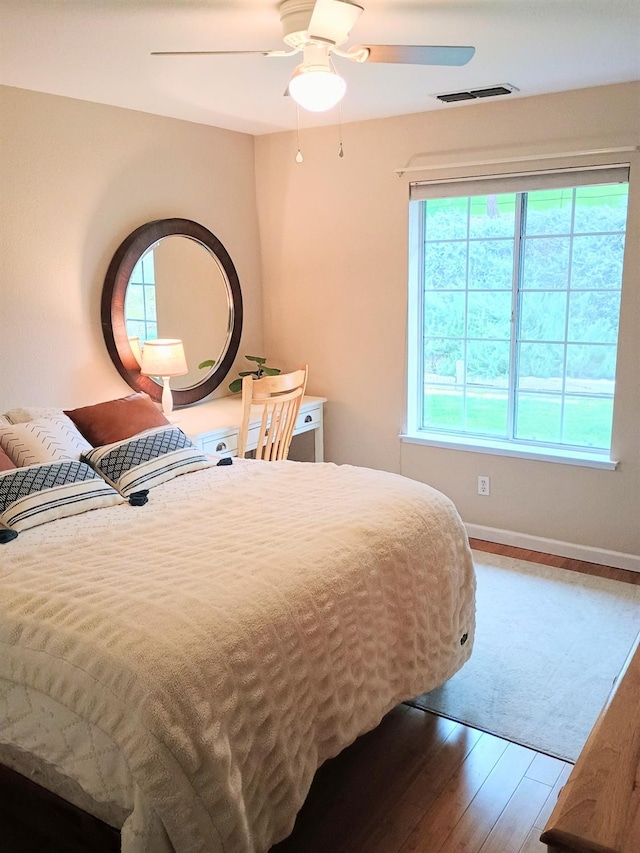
{"x": 173, "y": 279}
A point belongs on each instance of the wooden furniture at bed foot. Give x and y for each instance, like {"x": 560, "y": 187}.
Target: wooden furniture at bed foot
{"x": 598, "y": 810}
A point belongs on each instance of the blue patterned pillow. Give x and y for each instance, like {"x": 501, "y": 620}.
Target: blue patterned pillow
{"x": 146, "y": 460}
{"x": 39, "y": 493}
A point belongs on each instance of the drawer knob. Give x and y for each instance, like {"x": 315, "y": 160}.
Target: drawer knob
{"x": 221, "y": 446}
{"x": 308, "y": 419}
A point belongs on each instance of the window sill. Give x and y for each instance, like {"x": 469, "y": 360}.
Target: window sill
{"x": 504, "y": 448}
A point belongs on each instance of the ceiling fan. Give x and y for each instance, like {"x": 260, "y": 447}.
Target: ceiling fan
{"x": 317, "y": 28}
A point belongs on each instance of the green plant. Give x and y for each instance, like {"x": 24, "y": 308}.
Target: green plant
{"x": 261, "y": 370}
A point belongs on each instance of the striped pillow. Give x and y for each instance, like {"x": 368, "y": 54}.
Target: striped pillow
{"x": 42, "y": 440}
{"x": 146, "y": 460}
{"x": 40, "y": 493}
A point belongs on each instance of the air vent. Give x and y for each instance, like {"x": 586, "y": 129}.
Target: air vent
{"x": 472, "y": 94}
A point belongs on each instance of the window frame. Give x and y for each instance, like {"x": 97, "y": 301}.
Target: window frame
{"x": 519, "y": 182}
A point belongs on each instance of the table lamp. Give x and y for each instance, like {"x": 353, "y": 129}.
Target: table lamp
{"x": 164, "y": 358}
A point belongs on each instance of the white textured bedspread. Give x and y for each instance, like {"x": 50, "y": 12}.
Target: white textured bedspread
{"x": 245, "y": 625}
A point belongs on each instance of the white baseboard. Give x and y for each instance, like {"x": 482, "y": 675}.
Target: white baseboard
{"x": 617, "y": 559}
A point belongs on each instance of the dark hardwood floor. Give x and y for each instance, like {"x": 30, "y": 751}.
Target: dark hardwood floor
{"x": 423, "y": 783}
{"x": 568, "y": 563}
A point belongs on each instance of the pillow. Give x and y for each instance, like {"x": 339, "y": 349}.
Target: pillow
{"x": 22, "y": 414}
{"x": 40, "y": 493}
{"x": 6, "y": 464}
{"x": 116, "y": 420}
{"x": 42, "y": 440}
{"x": 146, "y": 460}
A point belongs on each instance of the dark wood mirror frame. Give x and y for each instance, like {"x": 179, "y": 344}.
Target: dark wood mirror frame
{"x": 113, "y": 305}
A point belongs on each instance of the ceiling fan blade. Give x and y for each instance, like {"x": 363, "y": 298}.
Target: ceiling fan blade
{"x": 416, "y": 54}
{"x": 209, "y": 52}
{"x": 332, "y": 20}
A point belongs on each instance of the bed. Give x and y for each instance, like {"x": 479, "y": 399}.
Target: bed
{"x": 180, "y": 669}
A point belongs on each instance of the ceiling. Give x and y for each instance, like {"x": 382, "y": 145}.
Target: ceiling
{"x": 99, "y": 50}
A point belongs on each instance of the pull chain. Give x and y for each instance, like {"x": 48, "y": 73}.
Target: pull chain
{"x": 340, "y": 150}
{"x": 299, "y": 157}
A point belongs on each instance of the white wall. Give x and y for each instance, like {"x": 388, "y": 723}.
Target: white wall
{"x": 76, "y": 178}
{"x": 334, "y": 250}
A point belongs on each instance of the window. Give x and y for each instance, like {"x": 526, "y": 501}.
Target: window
{"x": 514, "y": 308}
{"x": 140, "y": 300}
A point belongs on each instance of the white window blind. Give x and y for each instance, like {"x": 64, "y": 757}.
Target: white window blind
{"x": 517, "y": 183}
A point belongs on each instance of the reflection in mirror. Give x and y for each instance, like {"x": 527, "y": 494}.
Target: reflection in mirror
{"x": 179, "y": 290}
{"x": 173, "y": 278}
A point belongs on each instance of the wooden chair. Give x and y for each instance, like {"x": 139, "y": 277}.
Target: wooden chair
{"x": 276, "y": 401}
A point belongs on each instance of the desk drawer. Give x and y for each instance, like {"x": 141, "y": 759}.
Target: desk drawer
{"x": 226, "y": 444}
{"x": 309, "y": 419}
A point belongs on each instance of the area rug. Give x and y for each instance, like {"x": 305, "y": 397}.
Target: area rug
{"x": 549, "y": 645}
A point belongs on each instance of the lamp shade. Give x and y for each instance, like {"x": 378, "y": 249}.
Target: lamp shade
{"x": 163, "y": 357}
{"x": 316, "y": 87}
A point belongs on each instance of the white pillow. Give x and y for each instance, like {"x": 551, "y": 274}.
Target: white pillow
{"x": 43, "y": 440}
{"x": 22, "y": 414}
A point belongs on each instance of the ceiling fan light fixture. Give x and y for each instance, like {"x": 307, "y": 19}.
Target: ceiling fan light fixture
{"x": 316, "y": 87}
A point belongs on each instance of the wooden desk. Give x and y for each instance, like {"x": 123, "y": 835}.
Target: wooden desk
{"x": 598, "y": 810}
{"x": 214, "y": 426}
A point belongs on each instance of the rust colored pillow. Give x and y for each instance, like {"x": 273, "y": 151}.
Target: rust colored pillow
{"x": 116, "y": 420}
{"x": 6, "y": 463}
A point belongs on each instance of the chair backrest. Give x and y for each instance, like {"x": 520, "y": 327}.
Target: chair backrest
{"x": 276, "y": 401}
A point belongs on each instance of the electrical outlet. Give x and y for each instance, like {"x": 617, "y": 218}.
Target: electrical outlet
{"x": 484, "y": 485}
